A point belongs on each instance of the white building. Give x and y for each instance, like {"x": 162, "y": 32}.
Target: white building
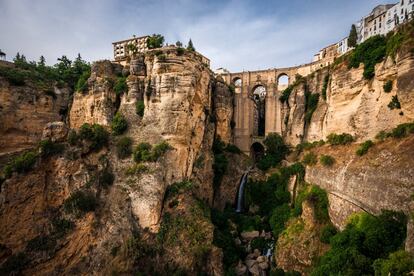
{"x": 121, "y": 48}
{"x": 342, "y": 46}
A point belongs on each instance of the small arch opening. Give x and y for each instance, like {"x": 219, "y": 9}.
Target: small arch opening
{"x": 282, "y": 82}
{"x": 237, "y": 82}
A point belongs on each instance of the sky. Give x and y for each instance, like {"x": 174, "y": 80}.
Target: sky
{"x": 238, "y": 35}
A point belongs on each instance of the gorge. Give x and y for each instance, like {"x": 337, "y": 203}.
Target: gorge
{"x": 143, "y": 168}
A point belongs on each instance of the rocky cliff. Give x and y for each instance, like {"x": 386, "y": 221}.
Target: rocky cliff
{"x": 353, "y": 104}
{"x": 176, "y": 90}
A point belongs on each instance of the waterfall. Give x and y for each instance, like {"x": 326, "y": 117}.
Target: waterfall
{"x": 240, "y": 194}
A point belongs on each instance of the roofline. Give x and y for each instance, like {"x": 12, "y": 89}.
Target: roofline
{"x": 125, "y": 40}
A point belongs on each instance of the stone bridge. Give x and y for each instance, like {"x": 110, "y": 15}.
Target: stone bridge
{"x": 257, "y": 109}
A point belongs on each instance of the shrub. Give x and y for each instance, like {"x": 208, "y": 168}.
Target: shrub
{"x": 180, "y": 51}
{"x": 21, "y": 164}
{"x": 124, "y": 147}
{"x": 318, "y": 198}
{"x": 80, "y": 202}
{"x": 140, "y": 108}
{"x": 284, "y": 98}
{"x": 307, "y": 145}
{"x": 41, "y": 243}
{"x": 311, "y": 103}
{"x": 402, "y": 130}
{"x": 120, "y": 86}
{"x": 14, "y": 264}
{"x": 325, "y": 86}
{"x": 388, "y": 86}
{"x": 259, "y": 243}
{"x": 82, "y": 83}
{"x": 159, "y": 150}
{"x": 49, "y": 148}
{"x": 137, "y": 169}
{"x": 233, "y": 149}
{"x": 382, "y": 135}
{"x": 95, "y": 134}
{"x": 394, "y": 103}
{"x": 310, "y": 159}
{"x": 73, "y": 137}
{"x": 106, "y": 178}
{"x": 62, "y": 226}
{"x": 328, "y": 231}
{"x": 364, "y": 147}
{"x": 370, "y": 52}
{"x": 155, "y": 41}
{"x": 219, "y": 167}
{"x": 177, "y": 188}
{"x": 327, "y": 160}
{"x": 394, "y": 43}
{"x": 280, "y": 215}
{"x": 398, "y": 263}
{"x": 275, "y": 147}
{"x": 340, "y": 139}
{"x": 142, "y": 152}
{"x": 119, "y": 124}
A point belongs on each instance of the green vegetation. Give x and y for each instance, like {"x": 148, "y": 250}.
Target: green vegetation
{"x": 120, "y": 86}
{"x": 177, "y": 188}
{"x": 307, "y": 145}
{"x": 311, "y": 103}
{"x": 353, "y": 37}
{"x": 328, "y": 231}
{"x": 41, "y": 243}
{"x": 155, "y": 41}
{"x": 73, "y": 137}
{"x": 44, "y": 77}
{"x": 388, "y": 86}
{"x": 394, "y": 103}
{"x": 180, "y": 51}
{"x": 124, "y": 147}
{"x": 284, "y": 98}
{"x": 80, "y": 202}
{"x": 364, "y": 147}
{"x": 14, "y": 264}
{"x": 95, "y": 134}
{"x": 319, "y": 200}
{"x": 276, "y": 151}
{"x": 137, "y": 169}
{"x": 82, "y": 83}
{"x": 140, "y": 108}
{"x": 365, "y": 239}
{"x": 190, "y": 46}
{"x": 325, "y": 86}
{"x": 401, "y": 131}
{"x": 326, "y": 160}
{"x": 398, "y": 263}
{"x": 49, "y": 148}
{"x": 220, "y": 161}
{"x": 370, "y": 52}
{"x": 310, "y": 159}
{"x": 145, "y": 152}
{"x": 340, "y": 139}
{"x": 119, "y": 124}
{"x": 21, "y": 164}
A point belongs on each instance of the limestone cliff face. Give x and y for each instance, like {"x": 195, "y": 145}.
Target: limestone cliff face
{"x": 353, "y": 104}
{"x": 381, "y": 179}
{"x": 98, "y": 104}
{"x": 223, "y": 107}
{"x": 24, "y": 112}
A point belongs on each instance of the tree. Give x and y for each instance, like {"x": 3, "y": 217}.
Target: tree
{"x": 353, "y": 37}
{"x": 42, "y": 61}
{"x": 155, "y": 41}
{"x": 190, "y": 46}
{"x": 179, "y": 44}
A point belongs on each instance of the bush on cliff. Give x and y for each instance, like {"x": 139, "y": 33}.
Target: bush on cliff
{"x": 388, "y": 86}
{"x": 327, "y": 160}
{"x": 120, "y": 86}
{"x": 365, "y": 239}
{"x": 49, "y": 148}
{"x": 394, "y": 103}
{"x": 155, "y": 41}
{"x": 145, "y": 152}
{"x": 276, "y": 151}
{"x": 95, "y": 134}
{"x": 340, "y": 139}
{"x": 398, "y": 263}
{"x": 364, "y": 147}
{"x": 124, "y": 147}
{"x": 21, "y": 164}
{"x": 310, "y": 159}
{"x": 80, "y": 202}
{"x": 140, "y": 108}
{"x": 82, "y": 83}
{"x": 119, "y": 124}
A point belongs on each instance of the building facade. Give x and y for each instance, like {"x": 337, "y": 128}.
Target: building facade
{"x": 122, "y": 49}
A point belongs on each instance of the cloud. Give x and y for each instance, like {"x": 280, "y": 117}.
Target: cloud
{"x": 238, "y": 35}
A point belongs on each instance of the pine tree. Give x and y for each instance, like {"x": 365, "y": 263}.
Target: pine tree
{"x": 179, "y": 44}
{"x": 190, "y": 46}
{"x": 353, "y": 37}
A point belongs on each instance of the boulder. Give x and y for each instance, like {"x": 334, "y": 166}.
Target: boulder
{"x": 55, "y": 131}
{"x": 250, "y": 235}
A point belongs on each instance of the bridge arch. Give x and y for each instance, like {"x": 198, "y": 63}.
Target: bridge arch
{"x": 259, "y": 98}
{"x": 282, "y": 81}
{"x": 238, "y": 83}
